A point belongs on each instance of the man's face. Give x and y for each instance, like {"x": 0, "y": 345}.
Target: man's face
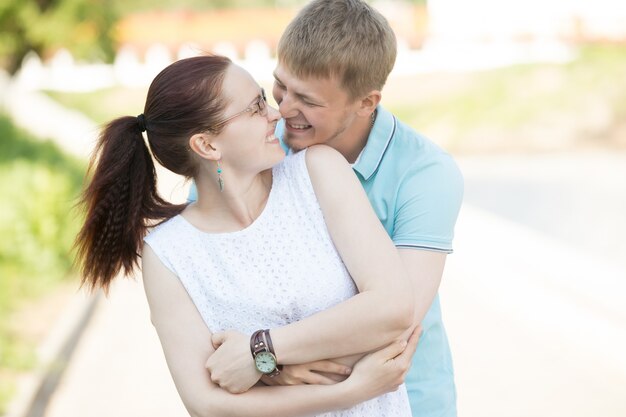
{"x": 316, "y": 110}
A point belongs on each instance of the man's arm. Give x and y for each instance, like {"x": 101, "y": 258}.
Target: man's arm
{"x": 429, "y": 200}
{"x": 425, "y": 269}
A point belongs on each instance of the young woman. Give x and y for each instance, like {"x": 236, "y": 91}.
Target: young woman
{"x": 263, "y": 255}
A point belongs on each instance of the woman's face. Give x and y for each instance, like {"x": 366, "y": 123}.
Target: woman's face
{"x": 247, "y": 142}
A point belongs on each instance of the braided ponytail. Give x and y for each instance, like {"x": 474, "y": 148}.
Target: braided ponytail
{"x": 121, "y": 202}
{"x": 121, "y": 199}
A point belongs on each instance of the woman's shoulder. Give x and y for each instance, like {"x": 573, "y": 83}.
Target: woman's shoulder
{"x": 164, "y": 231}
{"x": 306, "y": 161}
{"x": 322, "y": 159}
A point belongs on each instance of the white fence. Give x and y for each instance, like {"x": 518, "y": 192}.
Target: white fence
{"x": 130, "y": 69}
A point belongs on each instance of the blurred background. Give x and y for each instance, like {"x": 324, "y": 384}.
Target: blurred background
{"x": 529, "y": 97}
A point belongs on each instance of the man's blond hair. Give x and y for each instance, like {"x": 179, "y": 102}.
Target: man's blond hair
{"x": 347, "y": 39}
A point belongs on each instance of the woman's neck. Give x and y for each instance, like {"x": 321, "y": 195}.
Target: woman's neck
{"x": 236, "y": 207}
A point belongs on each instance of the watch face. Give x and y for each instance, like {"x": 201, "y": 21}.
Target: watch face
{"x": 265, "y": 362}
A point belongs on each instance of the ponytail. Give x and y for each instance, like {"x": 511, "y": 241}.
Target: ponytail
{"x": 121, "y": 199}
{"x": 121, "y": 202}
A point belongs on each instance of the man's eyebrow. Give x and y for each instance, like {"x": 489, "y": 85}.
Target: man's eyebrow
{"x": 301, "y": 96}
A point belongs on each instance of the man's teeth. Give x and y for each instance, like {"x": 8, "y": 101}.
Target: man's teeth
{"x": 299, "y": 126}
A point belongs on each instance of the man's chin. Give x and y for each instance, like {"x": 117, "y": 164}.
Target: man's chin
{"x": 295, "y": 144}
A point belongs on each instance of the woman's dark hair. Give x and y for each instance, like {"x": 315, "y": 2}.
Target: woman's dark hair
{"x": 121, "y": 198}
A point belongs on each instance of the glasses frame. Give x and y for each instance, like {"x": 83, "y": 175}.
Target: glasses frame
{"x": 260, "y": 105}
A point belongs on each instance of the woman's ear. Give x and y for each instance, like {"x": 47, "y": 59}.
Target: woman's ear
{"x": 200, "y": 143}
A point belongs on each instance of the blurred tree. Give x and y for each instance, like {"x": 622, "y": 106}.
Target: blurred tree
{"x": 140, "y": 5}
{"x": 81, "y": 26}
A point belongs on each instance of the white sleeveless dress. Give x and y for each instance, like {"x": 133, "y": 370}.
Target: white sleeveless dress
{"x": 280, "y": 269}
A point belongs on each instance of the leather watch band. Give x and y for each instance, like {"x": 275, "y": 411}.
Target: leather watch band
{"x": 260, "y": 341}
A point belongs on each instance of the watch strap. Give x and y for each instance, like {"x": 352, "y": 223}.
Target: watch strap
{"x": 260, "y": 341}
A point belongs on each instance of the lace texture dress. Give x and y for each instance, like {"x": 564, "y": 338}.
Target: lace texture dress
{"x": 280, "y": 269}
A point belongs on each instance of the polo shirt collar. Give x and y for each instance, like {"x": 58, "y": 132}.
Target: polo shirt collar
{"x": 377, "y": 143}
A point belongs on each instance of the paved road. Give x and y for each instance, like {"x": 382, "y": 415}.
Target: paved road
{"x": 536, "y": 318}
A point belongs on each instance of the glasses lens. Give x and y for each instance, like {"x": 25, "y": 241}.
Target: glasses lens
{"x": 262, "y": 104}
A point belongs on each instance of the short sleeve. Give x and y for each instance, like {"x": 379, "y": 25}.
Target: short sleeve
{"x": 428, "y": 203}
{"x": 279, "y": 132}
{"x": 193, "y": 193}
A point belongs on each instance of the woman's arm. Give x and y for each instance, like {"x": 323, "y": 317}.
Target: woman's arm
{"x": 186, "y": 344}
{"x": 382, "y": 311}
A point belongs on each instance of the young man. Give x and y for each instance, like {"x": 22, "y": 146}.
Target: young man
{"x": 333, "y": 61}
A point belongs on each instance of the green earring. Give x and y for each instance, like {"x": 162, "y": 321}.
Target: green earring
{"x": 220, "y": 181}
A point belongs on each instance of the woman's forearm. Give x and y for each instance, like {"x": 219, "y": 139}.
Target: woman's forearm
{"x": 375, "y": 374}
{"x": 289, "y": 401}
{"x": 360, "y": 324}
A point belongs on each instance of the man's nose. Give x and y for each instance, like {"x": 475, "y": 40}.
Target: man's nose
{"x": 286, "y": 107}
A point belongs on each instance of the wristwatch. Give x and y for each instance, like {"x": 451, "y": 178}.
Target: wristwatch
{"x": 263, "y": 353}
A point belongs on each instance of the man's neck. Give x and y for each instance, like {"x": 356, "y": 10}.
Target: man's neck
{"x": 352, "y": 143}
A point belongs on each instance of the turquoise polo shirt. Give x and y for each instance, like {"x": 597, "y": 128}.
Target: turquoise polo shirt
{"x": 416, "y": 190}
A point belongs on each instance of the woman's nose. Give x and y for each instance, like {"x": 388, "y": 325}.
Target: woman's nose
{"x": 272, "y": 114}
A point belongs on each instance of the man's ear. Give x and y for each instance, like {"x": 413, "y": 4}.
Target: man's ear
{"x": 369, "y": 102}
{"x": 202, "y": 145}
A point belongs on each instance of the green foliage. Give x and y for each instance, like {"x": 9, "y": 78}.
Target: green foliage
{"x": 7, "y": 390}
{"x": 39, "y": 185}
{"x": 82, "y": 26}
{"x": 125, "y": 6}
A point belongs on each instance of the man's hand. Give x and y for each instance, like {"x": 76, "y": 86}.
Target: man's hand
{"x": 384, "y": 371}
{"x": 231, "y": 365}
{"x": 314, "y": 373}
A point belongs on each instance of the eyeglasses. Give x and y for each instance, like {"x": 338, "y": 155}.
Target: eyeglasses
{"x": 259, "y": 106}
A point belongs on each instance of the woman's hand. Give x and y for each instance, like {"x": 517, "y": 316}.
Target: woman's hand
{"x": 231, "y": 365}
{"x": 315, "y": 373}
{"x": 383, "y": 371}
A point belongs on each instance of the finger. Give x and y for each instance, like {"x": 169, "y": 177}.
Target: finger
{"x": 336, "y": 377}
{"x": 413, "y": 341}
{"x": 217, "y": 339}
{"x": 407, "y": 354}
{"x": 269, "y": 381}
{"x": 317, "y": 379}
{"x": 391, "y": 351}
{"x": 330, "y": 367}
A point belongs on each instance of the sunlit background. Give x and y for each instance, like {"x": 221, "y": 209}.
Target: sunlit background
{"x": 529, "y": 97}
